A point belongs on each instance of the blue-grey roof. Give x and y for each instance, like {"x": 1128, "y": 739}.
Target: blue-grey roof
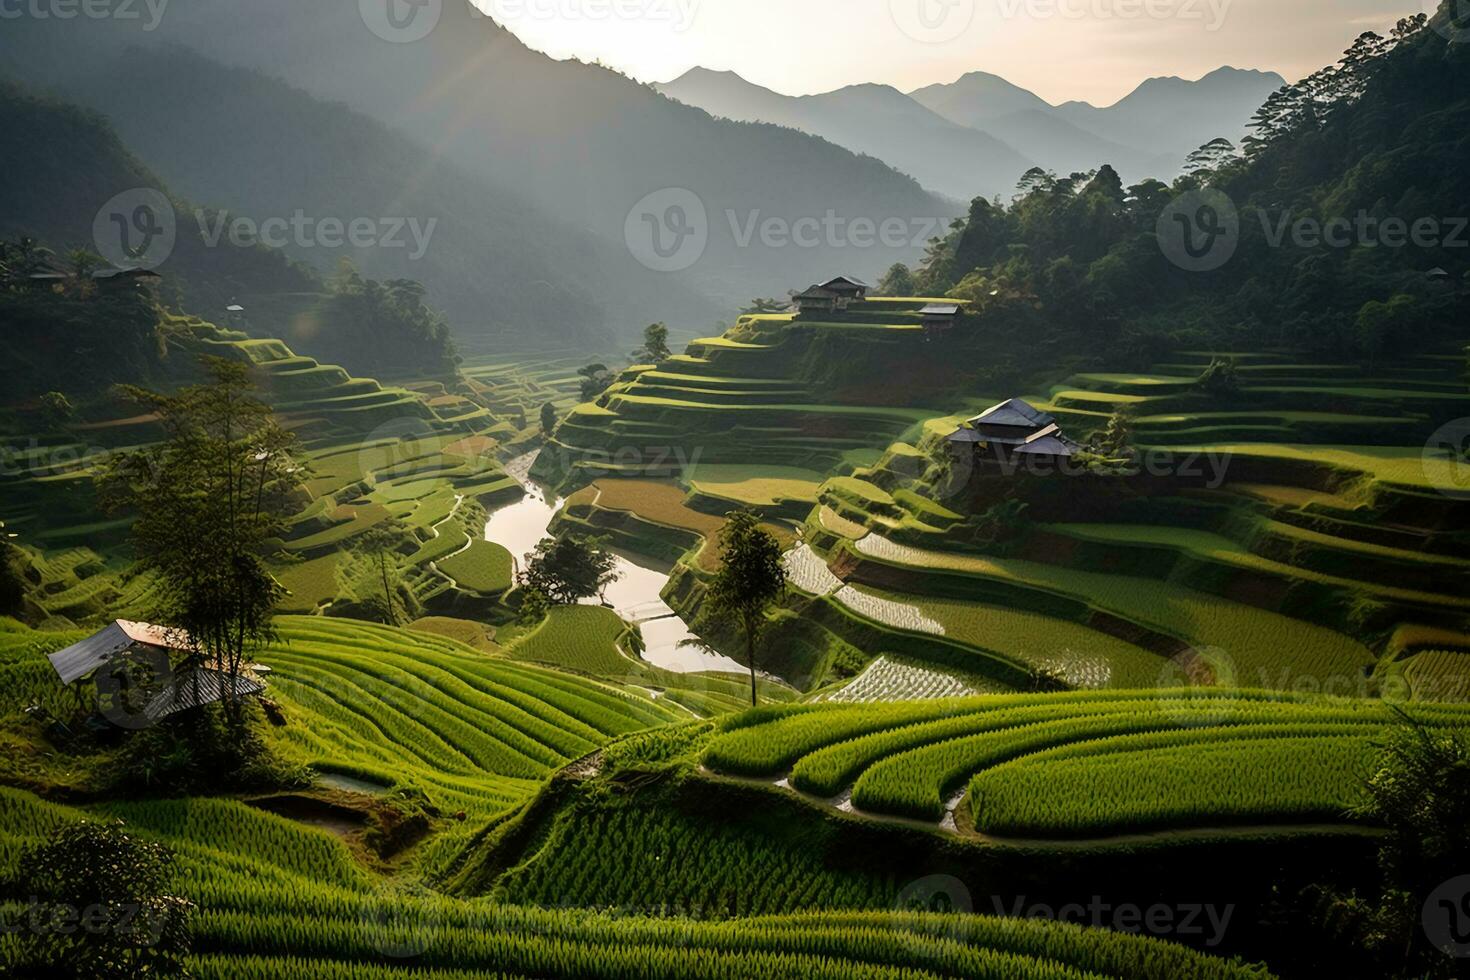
{"x": 1013, "y": 413}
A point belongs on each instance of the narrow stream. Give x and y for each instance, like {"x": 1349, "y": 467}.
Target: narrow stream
{"x": 518, "y": 527}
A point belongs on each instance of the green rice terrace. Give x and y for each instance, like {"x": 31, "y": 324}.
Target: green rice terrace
{"x": 976, "y": 685}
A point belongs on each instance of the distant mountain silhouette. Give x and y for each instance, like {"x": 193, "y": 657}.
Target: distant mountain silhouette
{"x": 1174, "y": 115}
{"x": 1147, "y": 134}
{"x": 975, "y": 136}
{"x": 579, "y": 141}
{"x": 874, "y": 119}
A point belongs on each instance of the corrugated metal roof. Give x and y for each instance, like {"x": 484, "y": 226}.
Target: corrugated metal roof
{"x": 940, "y": 309}
{"x": 84, "y": 658}
{"x": 196, "y": 688}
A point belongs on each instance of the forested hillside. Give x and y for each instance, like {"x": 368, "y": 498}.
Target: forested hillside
{"x": 64, "y": 163}
{"x": 1373, "y": 144}
{"x": 499, "y": 266}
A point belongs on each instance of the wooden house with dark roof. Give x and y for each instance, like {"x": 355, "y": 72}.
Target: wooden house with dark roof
{"x": 939, "y": 318}
{"x": 832, "y": 296}
{"x": 1013, "y": 433}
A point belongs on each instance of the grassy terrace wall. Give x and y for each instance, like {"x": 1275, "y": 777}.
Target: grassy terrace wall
{"x": 773, "y": 391}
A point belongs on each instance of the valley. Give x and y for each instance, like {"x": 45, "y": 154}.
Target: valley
{"x": 1053, "y": 597}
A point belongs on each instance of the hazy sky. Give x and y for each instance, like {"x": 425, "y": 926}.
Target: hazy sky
{"x": 1097, "y": 50}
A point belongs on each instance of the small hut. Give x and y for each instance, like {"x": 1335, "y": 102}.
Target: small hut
{"x": 190, "y": 685}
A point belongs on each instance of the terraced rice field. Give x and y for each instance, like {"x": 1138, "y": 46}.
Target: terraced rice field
{"x": 475, "y": 732}
{"x": 279, "y": 900}
{"x": 1439, "y": 675}
{"x": 484, "y": 567}
{"x": 593, "y": 641}
{"x": 1265, "y": 649}
{"x": 754, "y": 485}
{"x": 662, "y": 504}
{"x": 889, "y": 679}
{"x": 1122, "y": 761}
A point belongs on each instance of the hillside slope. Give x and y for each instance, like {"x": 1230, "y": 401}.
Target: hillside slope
{"x": 579, "y": 140}
{"x": 502, "y": 269}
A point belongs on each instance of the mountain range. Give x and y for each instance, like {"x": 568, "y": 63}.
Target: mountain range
{"x": 540, "y": 173}
{"x": 977, "y": 135}
{"x": 575, "y": 146}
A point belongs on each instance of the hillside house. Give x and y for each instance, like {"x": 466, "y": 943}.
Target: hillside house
{"x": 832, "y": 296}
{"x": 1014, "y": 434}
{"x": 939, "y": 318}
{"x": 191, "y": 685}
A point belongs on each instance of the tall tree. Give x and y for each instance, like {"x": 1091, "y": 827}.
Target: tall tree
{"x": 656, "y": 342}
{"x": 751, "y": 578}
{"x": 380, "y": 543}
{"x": 548, "y": 418}
{"x": 897, "y": 281}
{"x": 206, "y": 500}
{"x": 1419, "y": 789}
{"x": 566, "y": 570}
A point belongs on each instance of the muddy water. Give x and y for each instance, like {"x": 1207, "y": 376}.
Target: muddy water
{"x": 635, "y": 595}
